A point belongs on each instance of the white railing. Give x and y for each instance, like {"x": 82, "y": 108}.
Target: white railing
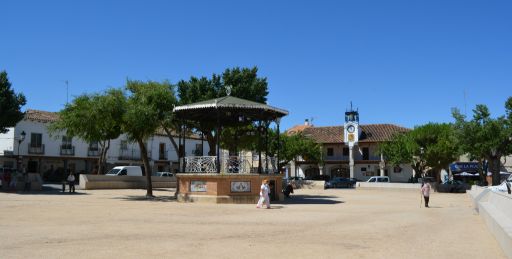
{"x": 200, "y": 164}
{"x": 229, "y": 164}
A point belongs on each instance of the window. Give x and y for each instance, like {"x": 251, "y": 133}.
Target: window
{"x": 93, "y": 146}
{"x": 345, "y": 151}
{"x": 162, "y": 151}
{"x": 36, "y": 140}
{"x": 124, "y": 145}
{"x": 366, "y": 153}
{"x": 67, "y": 142}
{"x": 330, "y": 151}
{"x": 123, "y": 172}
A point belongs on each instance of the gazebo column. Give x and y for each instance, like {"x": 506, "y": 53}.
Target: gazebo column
{"x": 184, "y": 146}
{"x": 266, "y": 147}
{"x": 217, "y": 136}
{"x": 259, "y": 148}
{"x": 278, "y": 120}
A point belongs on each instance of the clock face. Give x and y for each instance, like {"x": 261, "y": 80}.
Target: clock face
{"x": 351, "y": 128}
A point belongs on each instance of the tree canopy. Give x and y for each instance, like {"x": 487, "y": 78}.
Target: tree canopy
{"x": 10, "y": 104}
{"x": 93, "y": 118}
{"x": 430, "y": 146}
{"x": 484, "y": 137}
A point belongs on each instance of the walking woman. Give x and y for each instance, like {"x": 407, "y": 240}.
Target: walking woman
{"x": 264, "y": 190}
{"x": 425, "y": 190}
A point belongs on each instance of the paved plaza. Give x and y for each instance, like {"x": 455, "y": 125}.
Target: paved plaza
{"x": 348, "y": 223}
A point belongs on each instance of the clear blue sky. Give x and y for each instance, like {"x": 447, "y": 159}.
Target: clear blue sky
{"x": 403, "y": 62}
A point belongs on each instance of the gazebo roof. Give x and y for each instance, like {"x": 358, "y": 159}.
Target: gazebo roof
{"x": 228, "y": 109}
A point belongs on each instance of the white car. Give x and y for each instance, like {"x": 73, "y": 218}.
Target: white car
{"x": 164, "y": 174}
{"x": 378, "y": 179}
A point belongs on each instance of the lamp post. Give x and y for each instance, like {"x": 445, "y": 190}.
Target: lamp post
{"x": 20, "y": 139}
{"x": 422, "y": 150}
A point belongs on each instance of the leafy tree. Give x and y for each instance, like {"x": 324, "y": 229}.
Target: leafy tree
{"x": 244, "y": 84}
{"x": 297, "y": 146}
{"x": 10, "y": 104}
{"x": 483, "y": 137}
{"x": 93, "y": 118}
{"x": 142, "y": 118}
{"x": 430, "y": 146}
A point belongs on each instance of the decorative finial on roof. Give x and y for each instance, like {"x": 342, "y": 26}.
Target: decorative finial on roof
{"x": 228, "y": 90}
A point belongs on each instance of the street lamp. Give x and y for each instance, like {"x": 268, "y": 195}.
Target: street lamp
{"x": 20, "y": 139}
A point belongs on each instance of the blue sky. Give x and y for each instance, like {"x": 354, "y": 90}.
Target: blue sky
{"x": 402, "y": 62}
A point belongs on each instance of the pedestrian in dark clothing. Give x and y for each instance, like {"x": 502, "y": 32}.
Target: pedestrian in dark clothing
{"x": 287, "y": 190}
{"x": 71, "y": 182}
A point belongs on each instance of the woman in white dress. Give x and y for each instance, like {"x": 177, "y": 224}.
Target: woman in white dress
{"x": 264, "y": 191}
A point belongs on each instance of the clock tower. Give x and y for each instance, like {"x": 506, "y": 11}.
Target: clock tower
{"x": 351, "y": 134}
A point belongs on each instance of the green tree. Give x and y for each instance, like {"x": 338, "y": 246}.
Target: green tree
{"x": 486, "y": 138}
{"x": 93, "y": 118}
{"x": 297, "y": 146}
{"x": 430, "y": 146}
{"x": 142, "y": 118}
{"x": 10, "y": 104}
{"x": 244, "y": 83}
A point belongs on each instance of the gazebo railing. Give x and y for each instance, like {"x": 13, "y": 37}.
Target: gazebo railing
{"x": 200, "y": 164}
{"x": 229, "y": 164}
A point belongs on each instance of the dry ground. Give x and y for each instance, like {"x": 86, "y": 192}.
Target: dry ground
{"x": 315, "y": 224}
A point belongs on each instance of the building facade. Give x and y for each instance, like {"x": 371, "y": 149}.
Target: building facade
{"x": 350, "y": 151}
{"x": 50, "y": 155}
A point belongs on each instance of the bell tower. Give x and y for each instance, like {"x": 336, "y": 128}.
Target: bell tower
{"x": 351, "y": 134}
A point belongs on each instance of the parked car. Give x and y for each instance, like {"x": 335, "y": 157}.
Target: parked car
{"x": 453, "y": 186}
{"x": 164, "y": 174}
{"x": 340, "y": 182}
{"x": 126, "y": 170}
{"x": 378, "y": 179}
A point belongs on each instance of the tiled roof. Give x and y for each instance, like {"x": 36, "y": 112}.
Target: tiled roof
{"x": 368, "y": 133}
{"x": 47, "y": 117}
{"x": 296, "y": 129}
{"x": 41, "y": 116}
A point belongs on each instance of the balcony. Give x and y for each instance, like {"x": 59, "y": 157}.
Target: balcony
{"x": 35, "y": 150}
{"x": 67, "y": 150}
{"x": 93, "y": 152}
{"x": 130, "y": 154}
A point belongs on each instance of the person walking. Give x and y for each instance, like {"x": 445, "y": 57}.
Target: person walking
{"x": 71, "y": 181}
{"x": 425, "y": 190}
{"x": 264, "y": 191}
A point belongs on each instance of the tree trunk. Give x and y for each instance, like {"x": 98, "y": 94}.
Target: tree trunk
{"x": 494, "y": 166}
{"x": 105, "y": 146}
{"x": 212, "y": 144}
{"x": 144, "y": 153}
{"x": 171, "y": 138}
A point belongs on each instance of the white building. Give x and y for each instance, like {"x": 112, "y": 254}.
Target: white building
{"x": 351, "y": 151}
{"x": 51, "y": 155}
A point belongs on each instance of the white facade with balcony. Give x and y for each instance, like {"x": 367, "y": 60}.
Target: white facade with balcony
{"x": 41, "y": 153}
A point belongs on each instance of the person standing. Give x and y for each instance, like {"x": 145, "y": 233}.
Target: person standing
{"x": 71, "y": 181}
{"x": 264, "y": 191}
{"x": 425, "y": 190}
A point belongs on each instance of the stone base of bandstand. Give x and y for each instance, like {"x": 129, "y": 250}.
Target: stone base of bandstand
{"x": 226, "y": 188}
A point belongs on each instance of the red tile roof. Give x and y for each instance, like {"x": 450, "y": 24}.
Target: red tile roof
{"x": 296, "y": 129}
{"x": 368, "y": 133}
{"x": 41, "y": 116}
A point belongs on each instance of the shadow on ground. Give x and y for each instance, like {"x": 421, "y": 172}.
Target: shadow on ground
{"x": 168, "y": 198}
{"x": 48, "y": 189}
{"x": 311, "y": 199}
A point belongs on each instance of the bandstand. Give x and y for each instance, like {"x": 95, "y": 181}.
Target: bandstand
{"x": 223, "y": 177}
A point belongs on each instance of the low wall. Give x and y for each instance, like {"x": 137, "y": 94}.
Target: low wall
{"x": 495, "y": 208}
{"x": 92, "y": 181}
{"x": 409, "y": 186}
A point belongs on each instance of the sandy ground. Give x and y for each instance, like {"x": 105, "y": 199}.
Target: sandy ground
{"x": 352, "y": 223}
